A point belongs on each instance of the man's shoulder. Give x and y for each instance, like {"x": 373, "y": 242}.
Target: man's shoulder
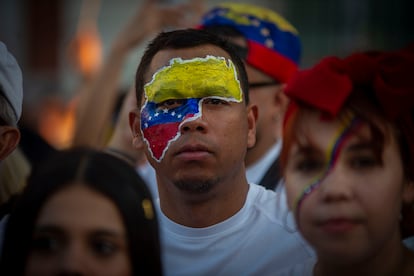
{"x": 259, "y": 194}
{"x": 267, "y": 202}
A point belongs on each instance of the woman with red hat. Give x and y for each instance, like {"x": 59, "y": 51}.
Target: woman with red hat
{"x": 348, "y": 162}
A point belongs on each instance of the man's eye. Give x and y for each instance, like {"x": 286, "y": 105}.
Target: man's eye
{"x": 103, "y": 247}
{"x": 215, "y": 101}
{"x": 170, "y": 104}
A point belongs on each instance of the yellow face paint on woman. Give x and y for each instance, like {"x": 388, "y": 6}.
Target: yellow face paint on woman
{"x": 195, "y": 78}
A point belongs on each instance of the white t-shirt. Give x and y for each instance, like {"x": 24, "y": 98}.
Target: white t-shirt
{"x": 255, "y": 241}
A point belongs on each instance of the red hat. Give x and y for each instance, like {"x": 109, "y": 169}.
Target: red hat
{"x": 328, "y": 84}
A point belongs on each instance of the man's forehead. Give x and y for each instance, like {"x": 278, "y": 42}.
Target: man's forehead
{"x": 197, "y": 77}
{"x": 163, "y": 57}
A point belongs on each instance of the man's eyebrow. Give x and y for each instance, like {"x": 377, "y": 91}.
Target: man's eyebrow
{"x": 214, "y": 90}
{"x": 204, "y": 91}
{"x": 166, "y": 89}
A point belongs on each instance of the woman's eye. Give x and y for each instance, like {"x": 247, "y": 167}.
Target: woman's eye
{"x": 215, "y": 101}
{"x": 46, "y": 244}
{"x": 363, "y": 162}
{"x": 170, "y": 104}
{"x": 102, "y": 247}
{"x": 309, "y": 166}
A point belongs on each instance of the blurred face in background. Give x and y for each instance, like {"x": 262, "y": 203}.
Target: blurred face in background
{"x": 79, "y": 231}
{"x": 353, "y": 213}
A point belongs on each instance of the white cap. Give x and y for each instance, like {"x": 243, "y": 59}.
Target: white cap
{"x": 11, "y": 80}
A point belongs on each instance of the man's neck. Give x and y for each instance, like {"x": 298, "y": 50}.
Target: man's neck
{"x": 203, "y": 210}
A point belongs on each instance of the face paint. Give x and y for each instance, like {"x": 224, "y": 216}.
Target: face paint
{"x": 344, "y": 132}
{"x": 175, "y": 95}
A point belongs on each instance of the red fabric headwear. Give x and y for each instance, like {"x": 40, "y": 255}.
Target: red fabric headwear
{"x": 327, "y": 85}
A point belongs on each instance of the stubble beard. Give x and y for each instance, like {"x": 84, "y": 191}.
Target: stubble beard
{"x": 196, "y": 186}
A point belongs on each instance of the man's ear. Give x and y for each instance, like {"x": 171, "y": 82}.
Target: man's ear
{"x": 282, "y": 100}
{"x": 135, "y": 125}
{"x": 9, "y": 139}
{"x": 252, "y": 115}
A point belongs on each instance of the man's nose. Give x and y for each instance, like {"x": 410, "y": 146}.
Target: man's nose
{"x": 193, "y": 124}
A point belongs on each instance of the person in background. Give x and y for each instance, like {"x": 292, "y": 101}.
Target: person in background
{"x": 197, "y": 123}
{"x": 13, "y": 174}
{"x": 11, "y": 99}
{"x": 271, "y": 50}
{"x": 83, "y": 212}
{"x": 33, "y": 144}
{"x": 348, "y": 162}
{"x": 13, "y": 163}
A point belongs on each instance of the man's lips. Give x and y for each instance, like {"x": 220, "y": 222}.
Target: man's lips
{"x": 193, "y": 152}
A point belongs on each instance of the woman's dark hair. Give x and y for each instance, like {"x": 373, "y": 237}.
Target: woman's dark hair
{"x": 188, "y": 38}
{"x": 105, "y": 174}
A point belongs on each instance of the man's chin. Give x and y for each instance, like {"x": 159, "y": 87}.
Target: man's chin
{"x": 196, "y": 185}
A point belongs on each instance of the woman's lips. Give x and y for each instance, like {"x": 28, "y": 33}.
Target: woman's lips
{"x": 338, "y": 225}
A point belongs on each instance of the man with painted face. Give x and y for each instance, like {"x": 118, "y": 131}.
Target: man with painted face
{"x": 195, "y": 118}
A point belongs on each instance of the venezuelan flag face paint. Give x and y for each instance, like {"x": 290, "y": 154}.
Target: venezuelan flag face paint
{"x": 176, "y": 93}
